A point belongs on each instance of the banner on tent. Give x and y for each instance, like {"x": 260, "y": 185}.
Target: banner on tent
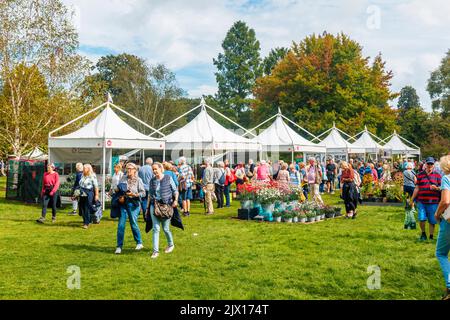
{"x": 84, "y": 155}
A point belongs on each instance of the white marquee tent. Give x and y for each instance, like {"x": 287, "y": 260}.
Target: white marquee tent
{"x": 366, "y": 141}
{"x": 399, "y": 147}
{"x": 279, "y": 137}
{"x": 35, "y": 154}
{"x": 95, "y": 141}
{"x": 335, "y": 143}
{"x": 205, "y": 133}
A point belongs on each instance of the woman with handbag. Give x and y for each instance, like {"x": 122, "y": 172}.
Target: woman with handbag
{"x": 49, "y": 192}
{"x": 163, "y": 198}
{"x": 88, "y": 194}
{"x": 130, "y": 206}
{"x": 442, "y": 217}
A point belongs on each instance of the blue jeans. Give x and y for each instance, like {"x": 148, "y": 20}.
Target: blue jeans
{"x": 156, "y": 228}
{"x": 131, "y": 211}
{"x": 144, "y": 202}
{"x": 226, "y": 191}
{"x": 442, "y": 249}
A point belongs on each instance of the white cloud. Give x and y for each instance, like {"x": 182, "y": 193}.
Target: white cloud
{"x": 187, "y": 34}
{"x": 202, "y": 90}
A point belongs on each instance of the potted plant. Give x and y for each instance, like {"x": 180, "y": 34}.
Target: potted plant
{"x": 295, "y": 214}
{"x": 287, "y": 217}
{"x": 311, "y": 216}
{"x": 329, "y": 212}
{"x": 337, "y": 211}
{"x": 318, "y": 214}
{"x": 302, "y": 218}
{"x": 277, "y": 216}
{"x": 267, "y": 197}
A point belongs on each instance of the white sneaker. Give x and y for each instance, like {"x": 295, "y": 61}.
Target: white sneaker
{"x": 169, "y": 249}
{"x": 139, "y": 246}
{"x": 155, "y": 255}
{"x": 118, "y": 251}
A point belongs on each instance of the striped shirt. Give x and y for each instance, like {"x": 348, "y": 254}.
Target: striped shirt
{"x": 186, "y": 175}
{"x": 426, "y": 195}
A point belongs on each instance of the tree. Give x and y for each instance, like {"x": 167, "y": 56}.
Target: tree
{"x": 238, "y": 67}
{"x": 407, "y": 100}
{"x": 275, "y": 56}
{"x": 147, "y": 92}
{"x": 435, "y": 140}
{"x": 38, "y": 66}
{"x": 325, "y": 79}
{"x": 439, "y": 87}
{"x": 27, "y": 111}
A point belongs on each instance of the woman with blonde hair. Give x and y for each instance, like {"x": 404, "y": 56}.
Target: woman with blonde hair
{"x": 443, "y": 240}
{"x": 131, "y": 206}
{"x": 88, "y": 194}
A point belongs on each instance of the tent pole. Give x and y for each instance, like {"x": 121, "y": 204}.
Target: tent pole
{"x": 292, "y": 155}
{"x": 138, "y": 120}
{"x": 164, "y": 154}
{"x": 70, "y": 122}
{"x": 104, "y": 173}
{"x": 168, "y": 124}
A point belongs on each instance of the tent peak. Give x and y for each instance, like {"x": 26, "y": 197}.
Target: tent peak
{"x": 279, "y": 111}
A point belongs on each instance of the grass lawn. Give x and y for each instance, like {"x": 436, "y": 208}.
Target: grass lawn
{"x": 227, "y": 259}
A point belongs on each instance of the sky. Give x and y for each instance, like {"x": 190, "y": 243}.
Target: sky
{"x": 186, "y": 35}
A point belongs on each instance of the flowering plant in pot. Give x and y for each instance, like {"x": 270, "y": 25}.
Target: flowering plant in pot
{"x": 247, "y": 195}
{"x": 267, "y": 198}
{"x": 337, "y": 211}
{"x": 295, "y": 214}
{"x": 277, "y": 215}
{"x": 329, "y": 211}
{"x": 311, "y": 216}
{"x": 287, "y": 216}
{"x": 302, "y": 218}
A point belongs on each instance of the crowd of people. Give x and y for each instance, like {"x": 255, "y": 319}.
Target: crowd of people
{"x": 157, "y": 188}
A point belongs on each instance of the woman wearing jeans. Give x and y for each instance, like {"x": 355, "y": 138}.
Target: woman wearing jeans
{"x": 443, "y": 241}
{"x": 49, "y": 192}
{"x": 131, "y": 207}
{"x": 88, "y": 194}
{"x": 162, "y": 190}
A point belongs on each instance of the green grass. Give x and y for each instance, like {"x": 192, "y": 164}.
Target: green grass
{"x": 228, "y": 259}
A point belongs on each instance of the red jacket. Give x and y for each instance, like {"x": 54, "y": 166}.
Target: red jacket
{"x": 50, "y": 180}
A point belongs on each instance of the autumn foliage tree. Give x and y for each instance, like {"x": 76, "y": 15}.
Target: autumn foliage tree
{"x": 325, "y": 79}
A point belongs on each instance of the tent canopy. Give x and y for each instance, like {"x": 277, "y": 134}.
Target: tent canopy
{"x": 336, "y": 144}
{"x": 107, "y": 128}
{"x": 399, "y": 147}
{"x": 203, "y": 132}
{"x": 35, "y": 154}
{"x": 368, "y": 143}
{"x": 280, "y": 137}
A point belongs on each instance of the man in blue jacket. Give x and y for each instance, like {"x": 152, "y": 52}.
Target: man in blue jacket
{"x": 146, "y": 174}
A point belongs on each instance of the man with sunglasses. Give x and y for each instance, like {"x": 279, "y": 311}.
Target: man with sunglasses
{"x": 428, "y": 194}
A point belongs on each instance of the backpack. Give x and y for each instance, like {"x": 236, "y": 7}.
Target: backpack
{"x": 222, "y": 179}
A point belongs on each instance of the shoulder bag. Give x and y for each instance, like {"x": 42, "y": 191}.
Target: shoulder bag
{"x": 163, "y": 211}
